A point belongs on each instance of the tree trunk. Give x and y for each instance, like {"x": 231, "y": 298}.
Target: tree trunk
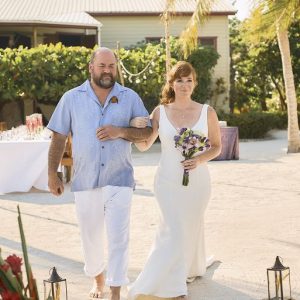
{"x": 167, "y": 38}
{"x": 293, "y": 126}
{"x": 280, "y": 93}
{"x": 2, "y": 103}
{"x": 22, "y": 110}
{"x": 263, "y": 104}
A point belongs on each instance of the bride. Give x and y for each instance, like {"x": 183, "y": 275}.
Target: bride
{"x": 178, "y": 252}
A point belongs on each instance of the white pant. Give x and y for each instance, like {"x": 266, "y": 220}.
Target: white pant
{"x": 109, "y": 205}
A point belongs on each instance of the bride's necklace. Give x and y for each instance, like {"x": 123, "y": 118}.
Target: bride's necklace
{"x": 182, "y": 113}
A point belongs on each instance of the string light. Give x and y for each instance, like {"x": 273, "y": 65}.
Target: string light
{"x": 131, "y": 75}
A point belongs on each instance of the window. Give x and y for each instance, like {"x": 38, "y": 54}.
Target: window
{"x": 208, "y": 42}
{"x": 153, "y": 40}
{"x": 88, "y": 41}
{"x": 4, "y": 41}
{"x": 70, "y": 40}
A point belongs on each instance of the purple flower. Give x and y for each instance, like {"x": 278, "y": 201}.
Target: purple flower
{"x": 182, "y": 130}
{"x": 176, "y": 138}
{"x": 189, "y": 143}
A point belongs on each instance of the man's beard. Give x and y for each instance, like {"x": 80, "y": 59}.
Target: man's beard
{"x": 104, "y": 83}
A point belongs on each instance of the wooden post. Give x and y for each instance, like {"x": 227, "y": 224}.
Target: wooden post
{"x": 99, "y": 35}
{"x": 119, "y": 66}
{"x": 34, "y": 37}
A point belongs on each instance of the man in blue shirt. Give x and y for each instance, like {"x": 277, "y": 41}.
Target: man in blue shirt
{"x": 97, "y": 114}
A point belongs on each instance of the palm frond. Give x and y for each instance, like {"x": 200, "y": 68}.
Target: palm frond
{"x": 257, "y": 28}
{"x": 170, "y": 5}
{"x": 271, "y": 15}
{"x": 169, "y": 10}
{"x": 189, "y": 37}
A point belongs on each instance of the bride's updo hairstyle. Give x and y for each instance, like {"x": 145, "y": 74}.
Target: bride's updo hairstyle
{"x": 180, "y": 69}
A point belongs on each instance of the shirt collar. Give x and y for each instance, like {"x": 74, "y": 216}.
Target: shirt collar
{"x": 115, "y": 92}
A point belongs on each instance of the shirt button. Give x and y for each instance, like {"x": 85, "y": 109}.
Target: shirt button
{"x": 102, "y": 165}
{"x": 102, "y": 147}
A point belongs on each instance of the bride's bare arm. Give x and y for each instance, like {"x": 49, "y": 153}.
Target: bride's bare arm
{"x": 145, "y": 145}
{"x": 214, "y": 140}
{"x": 214, "y": 137}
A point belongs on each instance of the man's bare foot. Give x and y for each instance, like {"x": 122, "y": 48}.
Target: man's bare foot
{"x": 115, "y": 293}
{"x": 191, "y": 279}
{"x": 97, "y": 292}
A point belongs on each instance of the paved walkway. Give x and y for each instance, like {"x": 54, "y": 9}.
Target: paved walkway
{"x": 253, "y": 216}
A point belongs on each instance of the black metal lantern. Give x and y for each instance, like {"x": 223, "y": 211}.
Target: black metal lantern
{"x": 55, "y": 288}
{"x": 279, "y": 282}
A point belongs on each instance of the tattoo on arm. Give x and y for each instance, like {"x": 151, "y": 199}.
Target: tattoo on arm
{"x": 136, "y": 135}
{"x": 56, "y": 152}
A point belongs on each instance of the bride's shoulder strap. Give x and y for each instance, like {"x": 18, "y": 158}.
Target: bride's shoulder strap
{"x": 204, "y": 113}
{"x": 205, "y": 109}
{"x": 162, "y": 112}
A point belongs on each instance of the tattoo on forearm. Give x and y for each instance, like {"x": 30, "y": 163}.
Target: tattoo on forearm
{"x": 55, "y": 153}
{"x": 136, "y": 135}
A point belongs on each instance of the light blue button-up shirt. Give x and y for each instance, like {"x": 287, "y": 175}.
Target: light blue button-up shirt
{"x": 97, "y": 163}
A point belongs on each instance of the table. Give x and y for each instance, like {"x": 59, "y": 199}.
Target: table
{"x": 23, "y": 165}
{"x": 230, "y": 143}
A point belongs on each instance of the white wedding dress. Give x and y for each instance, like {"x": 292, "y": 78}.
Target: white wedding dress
{"x": 178, "y": 251}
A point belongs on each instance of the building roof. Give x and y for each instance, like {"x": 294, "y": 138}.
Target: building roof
{"x": 42, "y": 12}
{"x": 151, "y": 6}
{"x": 76, "y": 18}
{"x": 80, "y": 12}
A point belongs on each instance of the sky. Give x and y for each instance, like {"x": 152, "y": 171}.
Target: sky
{"x": 243, "y": 7}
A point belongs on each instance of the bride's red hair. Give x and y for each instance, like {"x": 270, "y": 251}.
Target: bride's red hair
{"x": 180, "y": 69}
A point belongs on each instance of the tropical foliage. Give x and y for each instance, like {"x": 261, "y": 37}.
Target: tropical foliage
{"x": 12, "y": 286}
{"x": 272, "y": 18}
{"x": 256, "y": 78}
{"x": 44, "y": 73}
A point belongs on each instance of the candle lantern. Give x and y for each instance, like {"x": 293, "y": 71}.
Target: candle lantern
{"x": 55, "y": 288}
{"x": 279, "y": 282}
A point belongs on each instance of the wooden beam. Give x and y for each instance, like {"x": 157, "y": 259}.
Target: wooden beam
{"x": 34, "y": 37}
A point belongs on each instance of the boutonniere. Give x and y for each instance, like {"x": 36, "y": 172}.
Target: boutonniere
{"x": 114, "y": 99}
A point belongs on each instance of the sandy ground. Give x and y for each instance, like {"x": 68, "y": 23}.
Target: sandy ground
{"x": 253, "y": 216}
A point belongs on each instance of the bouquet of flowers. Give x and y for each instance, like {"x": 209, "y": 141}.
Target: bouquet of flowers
{"x": 190, "y": 142}
{"x": 11, "y": 283}
{"x": 12, "y": 286}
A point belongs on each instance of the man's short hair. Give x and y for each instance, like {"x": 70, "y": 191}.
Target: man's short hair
{"x": 94, "y": 53}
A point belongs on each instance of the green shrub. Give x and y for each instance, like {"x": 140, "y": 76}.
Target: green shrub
{"x": 255, "y": 125}
{"x": 204, "y": 59}
{"x": 44, "y": 73}
{"x": 150, "y": 83}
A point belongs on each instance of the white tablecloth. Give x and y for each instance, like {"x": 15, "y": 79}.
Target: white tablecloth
{"x": 23, "y": 165}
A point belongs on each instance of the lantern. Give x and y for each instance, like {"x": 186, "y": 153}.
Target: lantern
{"x": 55, "y": 288}
{"x": 279, "y": 282}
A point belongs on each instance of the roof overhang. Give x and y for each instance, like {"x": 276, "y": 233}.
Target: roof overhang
{"x": 68, "y": 20}
{"x": 143, "y": 14}
{"x": 48, "y": 24}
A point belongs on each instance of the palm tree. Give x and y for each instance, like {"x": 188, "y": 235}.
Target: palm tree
{"x": 189, "y": 36}
{"x": 166, "y": 18}
{"x": 270, "y": 19}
